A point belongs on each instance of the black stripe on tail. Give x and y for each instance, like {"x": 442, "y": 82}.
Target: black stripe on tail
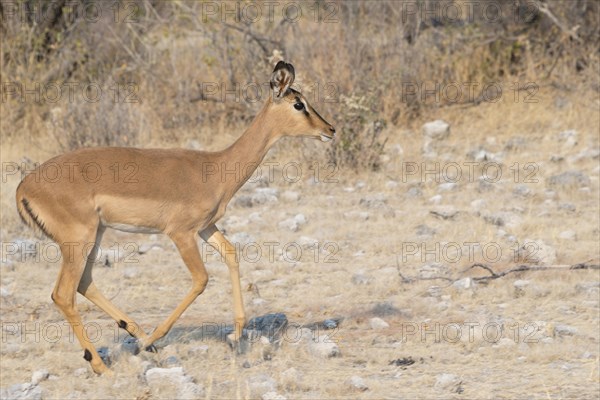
{"x": 40, "y": 224}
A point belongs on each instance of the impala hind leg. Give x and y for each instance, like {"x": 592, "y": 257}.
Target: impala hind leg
{"x": 188, "y": 248}
{"x": 216, "y": 239}
{"x": 87, "y": 288}
{"x": 65, "y": 292}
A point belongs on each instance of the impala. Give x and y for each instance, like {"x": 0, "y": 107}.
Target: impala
{"x": 171, "y": 192}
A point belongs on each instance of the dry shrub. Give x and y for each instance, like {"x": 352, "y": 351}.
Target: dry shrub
{"x": 379, "y": 51}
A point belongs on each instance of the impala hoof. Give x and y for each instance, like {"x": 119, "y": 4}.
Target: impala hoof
{"x": 151, "y": 349}
{"x": 240, "y": 346}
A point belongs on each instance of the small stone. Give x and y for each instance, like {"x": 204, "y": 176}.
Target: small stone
{"x": 465, "y": 283}
{"x": 446, "y": 381}
{"x": 242, "y": 238}
{"x": 437, "y": 129}
{"x": 130, "y": 272}
{"x": 171, "y": 361}
{"x": 537, "y": 252}
{"x": 39, "y": 376}
{"x": 378, "y": 323}
{"x": 269, "y": 325}
{"x": 505, "y": 343}
{"x": 565, "y": 330}
{"x": 374, "y": 201}
{"x": 324, "y": 347}
{"x": 290, "y": 196}
{"x": 265, "y": 196}
{"x": 81, "y": 372}
{"x": 568, "y": 235}
{"x": 294, "y": 223}
{"x": 273, "y": 396}
{"x": 444, "y": 212}
{"x": 175, "y": 380}
{"x": 308, "y": 242}
{"x": 424, "y": 230}
{"x": 357, "y": 383}
{"x": 478, "y": 204}
{"x": 360, "y": 278}
{"x": 522, "y": 190}
{"x": 521, "y": 283}
{"x": 391, "y": 185}
{"x": 447, "y": 186}
{"x": 22, "y": 391}
{"x": 435, "y": 199}
{"x": 569, "y": 179}
{"x": 261, "y": 384}
{"x": 414, "y": 192}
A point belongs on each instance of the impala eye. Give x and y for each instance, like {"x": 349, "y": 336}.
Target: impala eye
{"x": 299, "y": 106}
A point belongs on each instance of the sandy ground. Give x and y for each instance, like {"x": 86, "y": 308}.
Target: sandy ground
{"x": 391, "y": 244}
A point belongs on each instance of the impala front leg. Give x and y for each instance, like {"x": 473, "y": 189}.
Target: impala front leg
{"x": 216, "y": 239}
{"x": 188, "y": 248}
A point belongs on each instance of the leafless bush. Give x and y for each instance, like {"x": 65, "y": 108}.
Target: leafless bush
{"x": 366, "y": 49}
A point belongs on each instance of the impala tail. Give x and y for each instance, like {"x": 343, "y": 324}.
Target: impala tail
{"x": 28, "y": 213}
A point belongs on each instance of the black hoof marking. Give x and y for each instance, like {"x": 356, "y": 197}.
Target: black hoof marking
{"x": 151, "y": 349}
{"x": 123, "y": 324}
{"x": 87, "y": 355}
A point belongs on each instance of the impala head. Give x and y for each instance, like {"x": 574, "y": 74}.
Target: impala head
{"x": 295, "y": 116}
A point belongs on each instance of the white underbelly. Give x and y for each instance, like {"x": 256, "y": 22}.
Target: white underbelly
{"x": 130, "y": 228}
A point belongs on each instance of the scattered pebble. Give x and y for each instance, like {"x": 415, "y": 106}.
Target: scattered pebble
{"x": 378, "y": 323}
{"x": 357, "y": 383}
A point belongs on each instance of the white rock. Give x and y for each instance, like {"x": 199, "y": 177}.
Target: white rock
{"x": 290, "y": 224}
{"x": 300, "y": 219}
{"x": 444, "y": 381}
{"x": 521, "y": 283}
{"x": 505, "y": 343}
{"x": 130, "y": 272}
{"x": 323, "y": 346}
{"x": 174, "y": 379}
{"x": 81, "y": 372}
{"x": 568, "y": 235}
{"x": 39, "y": 376}
{"x": 308, "y": 242}
{"x": 447, "y": 186}
{"x": 261, "y": 384}
{"x": 478, "y": 204}
{"x": 242, "y": 238}
{"x": 357, "y": 383}
{"x": 391, "y": 185}
{"x": 290, "y": 196}
{"x": 537, "y": 252}
{"x": 22, "y": 391}
{"x": 435, "y": 199}
{"x": 565, "y": 330}
{"x": 273, "y": 396}
{"x": 378, "y": 323}
{"x": 355, "y": 214}
{"x": 437, "y": 129}
{"x": 465, "y": 283}
{"x": 291, "y": 375}
{"x": 265, "y": 195}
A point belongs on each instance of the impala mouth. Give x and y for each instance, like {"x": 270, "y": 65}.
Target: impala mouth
{"x": 326, "y": 138}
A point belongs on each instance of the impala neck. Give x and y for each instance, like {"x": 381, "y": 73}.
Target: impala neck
{"x": 241, "y": 159}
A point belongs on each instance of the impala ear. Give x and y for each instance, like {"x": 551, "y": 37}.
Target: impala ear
{"x": 282, "y": 78}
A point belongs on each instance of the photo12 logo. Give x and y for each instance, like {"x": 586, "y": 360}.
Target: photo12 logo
{"x": 71, "y": 92}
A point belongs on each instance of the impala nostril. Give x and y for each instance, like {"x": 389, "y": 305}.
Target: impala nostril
{"x": 332, "y": 129}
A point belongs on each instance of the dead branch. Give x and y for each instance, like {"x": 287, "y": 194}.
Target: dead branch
{"x": 495, "y": 275}
{"x": 544, "y": 9}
